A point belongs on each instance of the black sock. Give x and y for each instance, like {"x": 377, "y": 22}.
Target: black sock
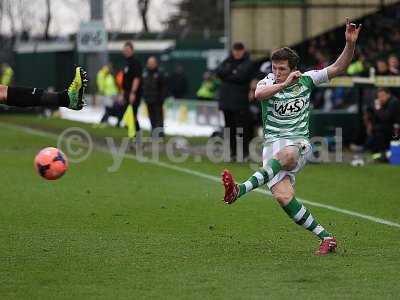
{"x": 25, "y": 97}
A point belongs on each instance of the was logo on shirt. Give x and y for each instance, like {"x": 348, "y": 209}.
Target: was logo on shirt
{"x": 289, "y": 108}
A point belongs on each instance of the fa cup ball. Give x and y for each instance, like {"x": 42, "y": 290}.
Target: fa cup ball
{"x": 51, "y": 163}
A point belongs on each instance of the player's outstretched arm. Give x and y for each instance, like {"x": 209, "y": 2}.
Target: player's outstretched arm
{"x": 266, "y": 88}
{"x": 344, "y": 60}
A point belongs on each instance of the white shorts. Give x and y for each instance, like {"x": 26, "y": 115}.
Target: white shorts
{"x": 270, "y": 150}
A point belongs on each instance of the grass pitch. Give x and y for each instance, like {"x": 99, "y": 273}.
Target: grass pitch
{"x": 150, "y": 232}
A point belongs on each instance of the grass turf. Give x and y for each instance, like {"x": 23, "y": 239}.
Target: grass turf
{"x": 149, "y": 232}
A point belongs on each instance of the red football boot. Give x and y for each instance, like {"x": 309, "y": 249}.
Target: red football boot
{"x": 327, "y": 245}
{"x": 231, "y": 188}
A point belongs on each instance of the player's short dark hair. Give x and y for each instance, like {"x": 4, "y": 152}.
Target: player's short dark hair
{"x": 288, "y": 54}
{"x": 129, "y": 44}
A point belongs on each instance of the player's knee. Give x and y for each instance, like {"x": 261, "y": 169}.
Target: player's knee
{"x": 288, "y": 158}
{"x": 283, "y": 197}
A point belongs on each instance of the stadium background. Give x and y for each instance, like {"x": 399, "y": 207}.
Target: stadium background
{"x": 261, "y": 25}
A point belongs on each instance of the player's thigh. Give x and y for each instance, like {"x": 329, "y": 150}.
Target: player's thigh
{"x": 283, "y": 191}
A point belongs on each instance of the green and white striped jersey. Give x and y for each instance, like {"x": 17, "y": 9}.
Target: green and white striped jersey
{"x": 286, "y": 114}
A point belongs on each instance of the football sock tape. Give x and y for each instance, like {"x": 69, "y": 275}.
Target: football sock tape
{"x": 260, "y": 177}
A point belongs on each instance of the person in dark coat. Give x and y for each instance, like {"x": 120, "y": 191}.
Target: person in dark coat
{"x": 154, "y": 93}
{"x": 235, "y": 73}
{"x": 380, "y": 121}
{"x": 132, "y": 81}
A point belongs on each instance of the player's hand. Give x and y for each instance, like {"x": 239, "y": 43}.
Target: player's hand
{"x": 292, "y": 78}
{"x": 132, "y": 98}
{"x": 352, "y": 31}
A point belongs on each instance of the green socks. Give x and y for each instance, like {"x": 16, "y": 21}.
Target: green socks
{"x": 260, "y": 177}
{"x": 295, "y": 209}
{"x": 302, "y": 216}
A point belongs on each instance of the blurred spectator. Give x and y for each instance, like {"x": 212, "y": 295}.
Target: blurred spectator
{"x": 99, "y": 85}
{"x": 101, "y": 74}
{"x": 235, "y": 73}
{"x": 132, "y": 83}
{"x": 119, "y": 79}
{"x": 382, "y": 68}
{"x": 337, "y": 98}
{"x": 358, "y": 67}
{"x": 395, "y": 38}
{"x": 380, "y": 46}
{"x": 393, "y": 63}
{"x": 208, "y": 87}
{"x": 322, "y": 60}
{"x": 178, "y": 83}
{"x": 108, "y": 88}
{"x": 7, "y": 74}
{"x": 379, "y": 121}
{"x": 155, "y": 91}
{"x": 382, "y": 36}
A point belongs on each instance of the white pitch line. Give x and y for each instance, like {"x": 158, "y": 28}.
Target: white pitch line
{"x": 214, "y": 178}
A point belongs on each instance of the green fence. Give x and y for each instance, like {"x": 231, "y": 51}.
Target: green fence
{"x": 44, "y": 69}
{"x": 55, "y": 69}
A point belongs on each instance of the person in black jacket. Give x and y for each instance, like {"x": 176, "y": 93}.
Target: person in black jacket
{"x": 154, "y": 93}
{"x": 380, "y": 121}
{"x": 132, "y": 82}
{"x": 235, "y": 73}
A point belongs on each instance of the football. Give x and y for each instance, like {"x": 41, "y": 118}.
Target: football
{"x": 51, "y": 163}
